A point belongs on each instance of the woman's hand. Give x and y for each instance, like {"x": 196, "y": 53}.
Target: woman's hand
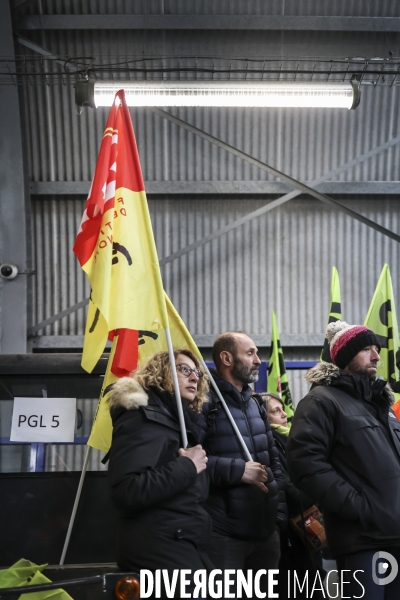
{"x": 197, "y": 455}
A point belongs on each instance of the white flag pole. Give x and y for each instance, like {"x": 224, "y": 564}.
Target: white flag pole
{"x": 75, "y": 508}
{"x": 176, "y": 388}
{"x": 228, "y": 413}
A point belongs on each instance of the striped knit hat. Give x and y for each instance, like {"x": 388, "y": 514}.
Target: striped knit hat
{"x": 345, "y": 341}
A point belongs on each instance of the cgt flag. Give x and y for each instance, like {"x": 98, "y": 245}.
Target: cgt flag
{"x": 335, "y": 312}
{"x": 147, "y": 343}
{"x": 115, "y": 247}
{"x": 277, "y": 378}
{"x": 151, "y": 342}
{"x": 381, "y": 318}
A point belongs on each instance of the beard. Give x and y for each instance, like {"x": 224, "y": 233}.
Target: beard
{"x": 357, "y": 369}
{"x": 243, "y": 373}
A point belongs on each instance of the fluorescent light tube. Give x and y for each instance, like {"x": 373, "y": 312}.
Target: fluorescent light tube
{"x": 224, "y": 94}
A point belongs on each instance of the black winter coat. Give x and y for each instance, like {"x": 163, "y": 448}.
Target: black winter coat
{"x": 344, "y": 453}
{"x": 158, "y": 495}
{"x": 295, "y": 499}
{"x": 238, "y": 509}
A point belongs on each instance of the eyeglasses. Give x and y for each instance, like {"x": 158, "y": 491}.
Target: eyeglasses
{"x": 187, "y": 371}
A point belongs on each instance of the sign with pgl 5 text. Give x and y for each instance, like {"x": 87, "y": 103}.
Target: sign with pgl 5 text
{"x": 45, "y": 420}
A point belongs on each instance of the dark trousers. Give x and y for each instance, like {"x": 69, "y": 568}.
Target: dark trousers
{"x": 363, "y": 563}
{"x": 233, "y": 553}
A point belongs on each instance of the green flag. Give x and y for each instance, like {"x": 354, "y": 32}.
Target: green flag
{"x": 381, "y": 318}
{"x": 335, "y": 311}
{"x": 277, "y": 377}
{"x": 26, "y": 573}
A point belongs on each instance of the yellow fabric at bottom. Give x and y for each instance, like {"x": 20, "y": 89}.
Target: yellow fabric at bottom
{"x": 26, "y": 573}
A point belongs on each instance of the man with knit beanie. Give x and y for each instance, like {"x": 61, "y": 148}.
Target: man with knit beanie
{"x": 343, "y": 451}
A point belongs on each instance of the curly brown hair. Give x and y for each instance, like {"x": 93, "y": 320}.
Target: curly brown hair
{"x": 157, "y": 373}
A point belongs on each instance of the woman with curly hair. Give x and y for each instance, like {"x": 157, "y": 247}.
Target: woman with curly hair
{"x": 157, "y": 487}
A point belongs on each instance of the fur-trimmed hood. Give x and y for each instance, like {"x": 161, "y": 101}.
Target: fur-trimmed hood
{"x": 327, "y": 374}
{"x": 323, "y": 374}
{"x": 127, "y": 393}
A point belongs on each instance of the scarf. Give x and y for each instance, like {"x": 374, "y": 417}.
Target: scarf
{"x": 280, "y": 429}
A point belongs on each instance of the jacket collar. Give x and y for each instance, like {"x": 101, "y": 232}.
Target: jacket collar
{"x": 159, "y": 405}
{"x": 227, "y": 388}
{"x": 358, "y": 386}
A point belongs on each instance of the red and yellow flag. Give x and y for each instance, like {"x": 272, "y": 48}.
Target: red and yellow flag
{"x": 115, "y": 247}
{"x": 147, "y": 343}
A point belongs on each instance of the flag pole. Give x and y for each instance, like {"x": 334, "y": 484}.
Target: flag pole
{"x": 75, "y": 508}
{"x": 176, "y": 387}
{"x": 228, "y": 413}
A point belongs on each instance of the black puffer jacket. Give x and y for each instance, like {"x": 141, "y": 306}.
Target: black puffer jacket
{"x": 344, "y": 453}
{"x": 158, "y": 496}
{"x": 238, "y": 509}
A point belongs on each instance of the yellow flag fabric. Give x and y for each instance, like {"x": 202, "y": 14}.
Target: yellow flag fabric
{"x": 19, "y": 573}
{"x": 26, "y": 573}
{"x": 381, "y": 318}
{"x": 115, "y": 243}
{"x": 277, "y": 381}
{"x": 150, "y": 342}
{"x": 57, "y": 594}
{"x": 101, "y": 433}
{"x": 127, "y": 291}
{"x": 335, "y": 311}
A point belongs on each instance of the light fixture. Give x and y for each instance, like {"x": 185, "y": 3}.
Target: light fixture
{"x": 224, "y": 94}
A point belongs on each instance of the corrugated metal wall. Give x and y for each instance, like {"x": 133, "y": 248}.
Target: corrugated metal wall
{"x": 385, "y": 8}
{"x": 303, "y": 143}
{"x": 281, "y": 261}
{"x": 71, "y": 457}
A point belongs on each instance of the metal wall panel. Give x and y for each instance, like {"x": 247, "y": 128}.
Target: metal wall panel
{"x": 386, "y": 8}
{"x": 70, "y": 457}
{"x": 298, "y": 385}
{"x": 58, "y": 282}
{"x": 303, "y": 143}
{"x": 281, "y": 261}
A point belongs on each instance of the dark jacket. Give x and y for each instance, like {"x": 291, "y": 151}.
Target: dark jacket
{"x": 295, "y": 499}
{"x": 238, "y": 509}
{"x": 158, "y": 495}
{"x": 344, "y": 453}
{"x": 295, "y": 556}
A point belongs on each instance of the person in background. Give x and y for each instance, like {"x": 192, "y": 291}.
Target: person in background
{"x": 246, "y": 499}
{"x": 277, "y": 418}
{"x": 158, "y": 487}
{"x": 294, "y": 554}
{"x": 344, "y": 452}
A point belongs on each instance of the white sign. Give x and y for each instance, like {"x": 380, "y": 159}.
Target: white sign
{"x": 43, "y": 420}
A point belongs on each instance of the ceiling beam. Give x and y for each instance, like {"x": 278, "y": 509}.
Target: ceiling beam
{"x": 44, "y": 52}
{"x": 168, "y": 188}
{"x": 215, "y": 22}
{"x": 288, "y": 340}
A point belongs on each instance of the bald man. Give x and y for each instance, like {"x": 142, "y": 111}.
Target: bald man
{"x": 246, "y": 499}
